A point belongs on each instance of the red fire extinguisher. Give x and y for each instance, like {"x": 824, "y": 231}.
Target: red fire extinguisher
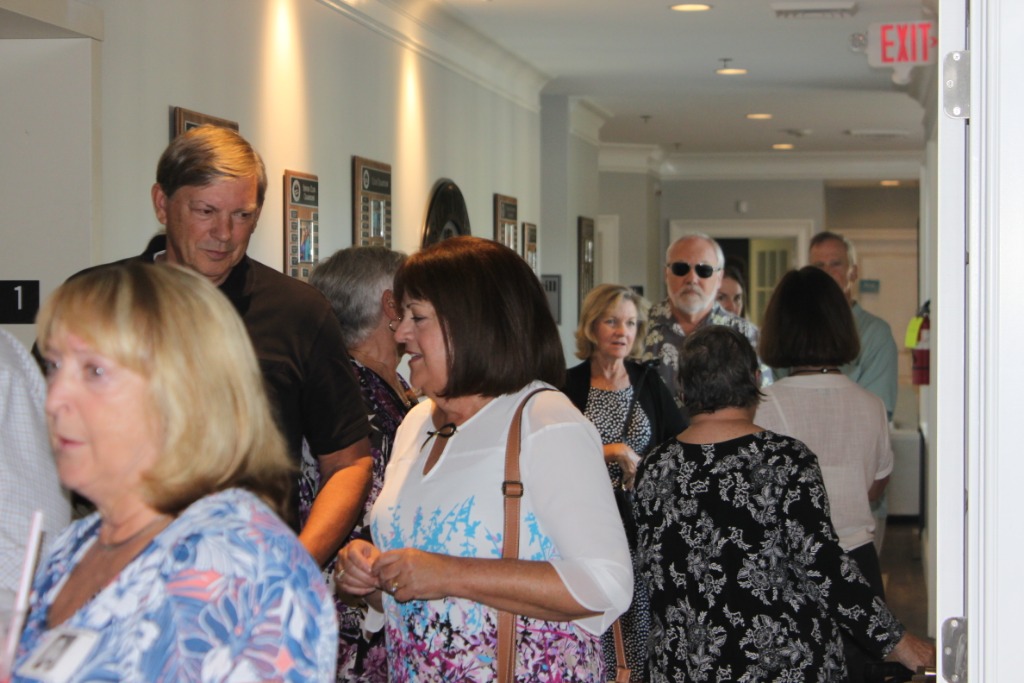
{"x": 920, "y": 352}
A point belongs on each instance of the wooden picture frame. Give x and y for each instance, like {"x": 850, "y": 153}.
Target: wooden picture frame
{"x": 506, "y": 222}
{"x": 586, "y": 256}
{"x": 301, "y": 224}
{"x": 530, "y": 246}
{"x": 371, "y": 203}
{"x": 185, "y": 119}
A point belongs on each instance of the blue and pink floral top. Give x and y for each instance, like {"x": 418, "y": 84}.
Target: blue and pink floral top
{"x": 225, "y": 592}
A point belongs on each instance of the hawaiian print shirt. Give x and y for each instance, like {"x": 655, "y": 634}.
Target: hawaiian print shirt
{"x": 225, "y": 593}
{"x": 665, "y": 339}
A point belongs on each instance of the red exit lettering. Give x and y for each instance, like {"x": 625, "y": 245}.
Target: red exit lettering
{"x": 908, "y": 43}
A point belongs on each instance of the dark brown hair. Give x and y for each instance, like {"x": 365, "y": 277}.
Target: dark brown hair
{"x": 499, "y": 333}
{"x": 808, "y": 322}
{"x": 718, "y": 369}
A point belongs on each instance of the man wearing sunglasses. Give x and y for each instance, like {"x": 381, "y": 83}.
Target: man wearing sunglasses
{"x": 693, "y": 274}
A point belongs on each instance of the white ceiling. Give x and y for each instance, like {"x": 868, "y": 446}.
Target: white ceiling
{"x": 637, "y": 58}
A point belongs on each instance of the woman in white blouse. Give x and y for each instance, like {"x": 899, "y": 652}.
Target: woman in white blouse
{"x": 480, "y": 338}
{"x": 808, "y": 327}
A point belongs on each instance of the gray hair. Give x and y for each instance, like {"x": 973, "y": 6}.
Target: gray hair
{"x": 700, "y": 236}
{"x": 353, "y": 280}
{"x": 825, "y": 236}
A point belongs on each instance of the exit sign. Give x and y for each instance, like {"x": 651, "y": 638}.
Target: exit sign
{"x": 902, "y": 44}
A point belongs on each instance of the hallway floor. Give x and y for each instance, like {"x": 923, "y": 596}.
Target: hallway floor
{"x": 903, "y": 574}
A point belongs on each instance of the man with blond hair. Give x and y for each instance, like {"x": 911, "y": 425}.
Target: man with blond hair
{"x": 209, "y": 191}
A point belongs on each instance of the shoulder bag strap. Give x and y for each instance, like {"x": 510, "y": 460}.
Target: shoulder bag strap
{"x": 512, "y": 490}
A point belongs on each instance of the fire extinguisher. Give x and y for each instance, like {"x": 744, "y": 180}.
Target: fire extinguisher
{"x": 920, "y": 351}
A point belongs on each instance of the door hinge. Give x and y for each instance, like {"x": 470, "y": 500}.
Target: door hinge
{"x": 954, "y": 650}
{"x": 956, "y": 84}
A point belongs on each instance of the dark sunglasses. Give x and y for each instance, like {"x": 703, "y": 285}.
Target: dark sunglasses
{"x": 703, "y": 270}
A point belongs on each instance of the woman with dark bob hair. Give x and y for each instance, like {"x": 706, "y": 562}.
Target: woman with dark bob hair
{"x": 809, "y": 328}
{"x": 747, "y": 578}
{"x": 480, "y": 340}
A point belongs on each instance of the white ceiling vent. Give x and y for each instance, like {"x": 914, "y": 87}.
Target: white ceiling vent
{"x": 809, "y": 9}
{"x": 877, "y": 133}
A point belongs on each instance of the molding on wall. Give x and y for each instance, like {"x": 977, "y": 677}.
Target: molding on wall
{"x": 808, "y": 166}
{"x": 22, "y": 19}
{"x": 625, "y": 158}
{"x": 438, "y": 36}
{"x": 586, "y": 119}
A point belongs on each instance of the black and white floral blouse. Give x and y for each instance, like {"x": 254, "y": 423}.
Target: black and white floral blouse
{"x": 746, "y": 577}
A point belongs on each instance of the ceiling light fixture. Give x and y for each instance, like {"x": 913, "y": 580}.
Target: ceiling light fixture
{"x": 727, "y": 70}
{"x": 890, "y": 183}
{"x": 811, "y": 9}
{"x": 782, "y": 145}
{"x": 759, "y": 117}
{"x": 691, "y": 7}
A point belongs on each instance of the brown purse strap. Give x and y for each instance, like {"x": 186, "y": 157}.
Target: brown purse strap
{"x": 621, "y": 666}
{"x": 512, "y": 490}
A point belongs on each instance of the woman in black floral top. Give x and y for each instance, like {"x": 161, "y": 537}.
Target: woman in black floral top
{"x": 746, "y": 577}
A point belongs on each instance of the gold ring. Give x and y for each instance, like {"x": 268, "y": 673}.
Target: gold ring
{"x": 394, "y": 587}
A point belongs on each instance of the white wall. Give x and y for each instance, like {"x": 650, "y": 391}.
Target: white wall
{"x": 46, "y": 176}
{"x": 310, "y": 87}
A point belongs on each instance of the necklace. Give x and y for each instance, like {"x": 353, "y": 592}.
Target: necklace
{"x": 826, "y": 370}
{"x": 108, "y": 547}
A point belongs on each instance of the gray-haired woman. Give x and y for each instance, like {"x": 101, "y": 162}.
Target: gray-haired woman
{"x": 358, "y": 281}
{"x": 747, "y": 579}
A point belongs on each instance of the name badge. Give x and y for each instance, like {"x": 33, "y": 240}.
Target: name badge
{"x": 59, "y": 655}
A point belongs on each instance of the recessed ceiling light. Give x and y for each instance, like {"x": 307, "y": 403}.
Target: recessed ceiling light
{"x": 890, "y": 183}
{"x": 759, "y": 117}
{"x": 782, "y": 145}
{"x": 727, "y": 70}
{"x": 691, "y": 7}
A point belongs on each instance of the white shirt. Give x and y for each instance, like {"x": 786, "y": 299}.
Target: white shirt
{"x": 28, "y": 476}
{"x": 846, "y": 427}
{"x": 568, "y": 515}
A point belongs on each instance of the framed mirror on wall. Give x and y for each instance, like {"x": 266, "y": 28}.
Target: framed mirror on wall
{"x": 447, "y": 215}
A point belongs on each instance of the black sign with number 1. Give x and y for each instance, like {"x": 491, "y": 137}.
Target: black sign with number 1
{"x": 19, "y": 301}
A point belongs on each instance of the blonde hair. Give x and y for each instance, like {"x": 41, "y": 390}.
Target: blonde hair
{"x": 174, "y": 328}
{"x": 597, "y": 303}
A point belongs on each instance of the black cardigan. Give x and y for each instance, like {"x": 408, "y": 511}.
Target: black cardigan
{"x": 652, "y": 396}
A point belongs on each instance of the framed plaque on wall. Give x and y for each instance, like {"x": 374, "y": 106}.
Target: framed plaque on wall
{"x": 371, "y": 203}
{"x": 184, "y": 119}
{"x": 530, "y": 245}
{"x": 506, "y": 223}
{"x": 301, "y": 224}
{"x": 585, "y": 254}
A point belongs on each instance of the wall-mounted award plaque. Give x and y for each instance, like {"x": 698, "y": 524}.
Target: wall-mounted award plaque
{"x": 530, "y": 245}
{"x": 301, "y": 224}
{"x": 184, "y": 119}
{"x": 371, "y": 203}
{"x": 506, "y": 223}
{"x": 585, "y": 257}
